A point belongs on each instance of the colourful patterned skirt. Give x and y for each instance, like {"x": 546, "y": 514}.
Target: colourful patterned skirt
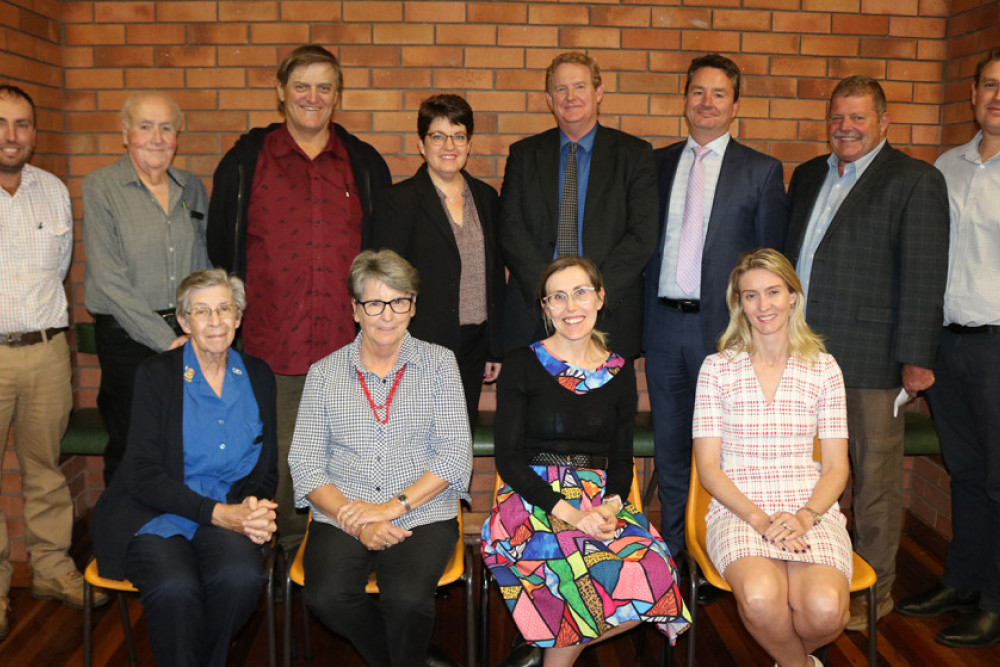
{"x": 564, "y": 587}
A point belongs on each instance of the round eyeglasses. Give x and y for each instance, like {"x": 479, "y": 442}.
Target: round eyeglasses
{"x": 400, "y": 305}
{"x": 583, "y": 295}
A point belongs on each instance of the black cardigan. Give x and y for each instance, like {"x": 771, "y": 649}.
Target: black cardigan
{"x": 537, "y": 414}
{"x": 410, "y": 219}
{"x": 150, "y": 481}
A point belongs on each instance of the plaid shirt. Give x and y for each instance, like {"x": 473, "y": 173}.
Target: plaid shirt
{"x": 36, "y": 242}
{"x": 338, "y": 440}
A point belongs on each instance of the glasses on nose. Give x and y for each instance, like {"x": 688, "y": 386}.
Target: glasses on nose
{"x": 583, "y": 296}
{"x": 226, "y": 311}
{"x": 438, "y": 138}
{"x": 400, "y": 305}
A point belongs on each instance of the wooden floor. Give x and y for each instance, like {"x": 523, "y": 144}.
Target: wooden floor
{"x": 48, "y": 634}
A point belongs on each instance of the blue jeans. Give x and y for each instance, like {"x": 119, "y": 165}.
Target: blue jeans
{"x": 196, "y": 593}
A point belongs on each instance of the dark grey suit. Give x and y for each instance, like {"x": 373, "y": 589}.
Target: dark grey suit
{"x": 619, "y": 230}
{"x": 749, "y": 210}
{"x": 876, "y": 295}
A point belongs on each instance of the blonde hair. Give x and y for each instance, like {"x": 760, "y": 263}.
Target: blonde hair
{"x": 803, "y": 343}
{"x": 593, "y": 275}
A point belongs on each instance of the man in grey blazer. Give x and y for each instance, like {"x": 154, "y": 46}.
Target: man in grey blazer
{"x": 616, "y": 213}
{"x": 741, "y": 206}
{"x": 868, "y": 232}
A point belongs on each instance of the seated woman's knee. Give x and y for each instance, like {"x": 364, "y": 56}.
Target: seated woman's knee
{"x": 761, "y": 599}
{"x": 824, "y": 608}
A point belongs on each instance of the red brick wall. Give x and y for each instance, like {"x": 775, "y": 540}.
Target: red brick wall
{"x": 217, "y": 58}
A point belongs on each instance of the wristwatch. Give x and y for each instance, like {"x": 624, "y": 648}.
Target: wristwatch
{"x": 817, "y": 517}
{"x": 405, "y": 502}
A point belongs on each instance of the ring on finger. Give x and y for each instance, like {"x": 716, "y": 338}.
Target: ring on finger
{"x": 786, "y": 526}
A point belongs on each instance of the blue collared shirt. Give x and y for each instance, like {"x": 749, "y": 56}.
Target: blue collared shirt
{"x": 833, "y": 193}
{"x": 583, "y": 153}
{"x": 222, "y": 438}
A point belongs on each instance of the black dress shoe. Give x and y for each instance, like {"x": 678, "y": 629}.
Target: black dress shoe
{"x": 437, "y": 658}
{"x": 977, "y": 630}
{"x": 523, "y": 655}
{"x": 708, "y": 594}
{"x": 937, "y": 601}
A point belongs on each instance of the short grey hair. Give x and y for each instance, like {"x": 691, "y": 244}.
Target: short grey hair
{"x": 386, "y": 267}
{"x": 135, "y": 98}
{"x": 200, "y": 280}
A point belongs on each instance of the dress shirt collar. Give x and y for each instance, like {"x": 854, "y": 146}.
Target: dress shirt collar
{"x": 859, "y": 165}
{"x": 285, "y": 143}
{"x": 407, "y": 353}
{"x": 586, "y": 142}
{"x": 971, "y": 151}
{"x": 717, "y": 145}
{"x": 127, "y": 174}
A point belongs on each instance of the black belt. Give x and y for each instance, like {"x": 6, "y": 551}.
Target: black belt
{"x": 572, "y": 460}
{"x": 683, "y": 305}
{"x": 25, "y": 338}
{"x": 109, "y": 321}
{"x": 983, "y": 329}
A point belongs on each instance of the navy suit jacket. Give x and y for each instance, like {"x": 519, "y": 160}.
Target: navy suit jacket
{"x": 750, "y": 210}
{"x": 619, "y": 229}
{"x": 876, "y": 292}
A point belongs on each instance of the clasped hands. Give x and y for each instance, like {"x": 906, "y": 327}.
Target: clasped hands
{"x": 372, "y": 523}
{"x": 599, "y": 521}
{"x": 783, "y": 529}
{"x": 253, "y": 517}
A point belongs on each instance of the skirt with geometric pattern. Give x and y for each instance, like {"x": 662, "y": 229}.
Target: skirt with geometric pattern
{"x": 564, "y": 587}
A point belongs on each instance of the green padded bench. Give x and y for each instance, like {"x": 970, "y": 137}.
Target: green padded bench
{"x": 642, "y": 440}
{"x": 85, "y": 434}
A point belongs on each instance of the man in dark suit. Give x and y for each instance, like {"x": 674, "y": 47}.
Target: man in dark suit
{"x": 740, "y": 205}
{"x": 614, "y": 207}
{"x": 868, "y": 232}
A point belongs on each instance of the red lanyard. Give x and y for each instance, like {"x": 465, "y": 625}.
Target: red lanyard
{"x": 388, "y": 401}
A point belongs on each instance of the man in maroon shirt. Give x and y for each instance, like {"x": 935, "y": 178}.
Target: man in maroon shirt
{"x": 290, "y": 208}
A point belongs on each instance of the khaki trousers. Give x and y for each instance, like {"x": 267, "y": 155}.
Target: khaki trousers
{"x": 291, "y": 522}
{"x": 36, "y": 396}
{"x": 876, "y": 450}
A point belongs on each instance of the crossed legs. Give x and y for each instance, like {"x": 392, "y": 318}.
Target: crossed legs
{"x": 790, "y": 609}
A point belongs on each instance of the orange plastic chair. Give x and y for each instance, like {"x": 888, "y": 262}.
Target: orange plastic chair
{"x": 459, "y": 567}
{"x": 634, "y": 497}
{"x": 703, "y": 571}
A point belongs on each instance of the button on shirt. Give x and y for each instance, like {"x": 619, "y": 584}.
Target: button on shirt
{"x": 338, "y": 441}
{"x": 222, "y": 438}
{"x": 833, "y": 193}
{"x": 36, "y": 242}
{"x": 668, "y": 286}
{"x": 583, "y": 153}
{"x": 136, "y": 254}
{"x": 972, "y": 297}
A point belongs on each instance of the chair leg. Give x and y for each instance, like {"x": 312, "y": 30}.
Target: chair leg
{"x": 88, "y": 637}
{"x": 470, "y": 615}
{"x": 693, "y": 606}
{"x": 872, "y": 629}
{"x": 133, "y": 658}
{"x": 484, "y": 622}
{"x": 667, "y": 658}
{"x": 272, "y": 658}
{"x": 287, "y": 622}
{"x": 307, "y": 649}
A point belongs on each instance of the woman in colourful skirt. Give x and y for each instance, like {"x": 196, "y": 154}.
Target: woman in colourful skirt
{"x": 576, "y": 563}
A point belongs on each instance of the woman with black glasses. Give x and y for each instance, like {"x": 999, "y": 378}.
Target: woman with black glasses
{"x": 381, "y": 454}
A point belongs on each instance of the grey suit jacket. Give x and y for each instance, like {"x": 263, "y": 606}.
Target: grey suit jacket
{"x": 619, "y": 230}
{"x": 877, "y": 287}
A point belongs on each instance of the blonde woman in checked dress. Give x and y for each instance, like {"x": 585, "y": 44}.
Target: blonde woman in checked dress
{"x": 775, "y": 531}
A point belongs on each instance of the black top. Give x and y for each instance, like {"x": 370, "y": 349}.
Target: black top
{"x": 537, "y": 414}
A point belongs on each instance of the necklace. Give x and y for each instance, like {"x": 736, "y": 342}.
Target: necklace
{"x": 388, "y": 401}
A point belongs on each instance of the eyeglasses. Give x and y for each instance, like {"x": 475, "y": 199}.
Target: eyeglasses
{"x": 584, "y": 296}
{"x": 226, "y": 311}
{"x": 438, "y": 138}
{"x": 400, "y": 305}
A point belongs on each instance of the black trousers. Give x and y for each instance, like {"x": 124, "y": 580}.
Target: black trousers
{"x": 471, "y": 356}
{"x": 965, "y": 400}
{"x": 119, "y": 355}
{"x": 396, "y": 630}
{"x": 196, "y": 593}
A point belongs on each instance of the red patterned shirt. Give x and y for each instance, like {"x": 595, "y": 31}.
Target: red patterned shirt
{"x": 303, "y": 230}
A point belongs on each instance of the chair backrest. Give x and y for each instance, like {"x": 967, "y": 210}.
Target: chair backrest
{"x": 695, "y": 529}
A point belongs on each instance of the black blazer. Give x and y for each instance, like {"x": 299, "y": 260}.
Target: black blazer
{"x": 750, "y": 210}
{"x": 619, "y": 230}
{"x": 877, "y": 287}
{"x": 410, "y": 219}
{"x": 150, "y": 481}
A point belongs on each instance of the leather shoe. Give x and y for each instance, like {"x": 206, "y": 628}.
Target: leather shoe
{"x": 937, "y": 601}
{"x": 524, "y": 655}
{"x": 859, "y": 611}
{"x": 708, "y": 594}
{"x": 4, "y": 621}
{"x": 437, "y": 658}
{"x": 976, "y": 630}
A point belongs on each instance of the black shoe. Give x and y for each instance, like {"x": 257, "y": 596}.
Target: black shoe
{"x": 524, "y": 655}
{"x": 708, "y": 594}
{"x": 937, "y": 601}
{"x": 977, "y": 630}
{"x": 437, "y": 658}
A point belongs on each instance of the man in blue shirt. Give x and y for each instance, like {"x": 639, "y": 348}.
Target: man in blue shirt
{"x": 613, "y": 200}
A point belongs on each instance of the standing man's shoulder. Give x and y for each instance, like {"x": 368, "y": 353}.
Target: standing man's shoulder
{"x": 622, "y": 140}
{"x": 547, "y": 138}
{"x": 755, "y": 157}
{"x": 248, "y": 145}
{"x": 46, "y": 180}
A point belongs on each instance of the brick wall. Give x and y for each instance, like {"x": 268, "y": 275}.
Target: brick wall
{"x": 217, "y": 58}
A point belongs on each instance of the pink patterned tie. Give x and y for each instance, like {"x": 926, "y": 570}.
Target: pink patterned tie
{"x": 692, "y": 241}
